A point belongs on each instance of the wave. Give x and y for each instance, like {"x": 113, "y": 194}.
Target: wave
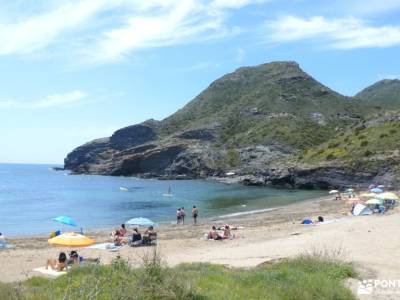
{"x": 250, "y": 212}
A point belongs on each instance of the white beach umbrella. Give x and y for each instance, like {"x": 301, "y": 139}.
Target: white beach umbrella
{"x": 334, "y": 192}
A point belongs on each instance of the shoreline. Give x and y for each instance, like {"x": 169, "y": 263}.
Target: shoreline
{"x": 265, "y": 237}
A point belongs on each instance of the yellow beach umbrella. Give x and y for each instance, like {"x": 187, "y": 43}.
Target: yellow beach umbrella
{"x": 388, "y": 196}
{"x": 71, "y": 239}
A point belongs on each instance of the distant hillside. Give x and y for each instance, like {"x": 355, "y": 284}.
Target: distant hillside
{"x": 384, "y": 94}
{"x": 259, "y": 122}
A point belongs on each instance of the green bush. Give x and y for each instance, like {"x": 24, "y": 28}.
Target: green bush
{"x": 330, "y": 156}
{"x": 306, "y": 277}
{"x": 364, "y": 143}
{"x": 367, "y": 153}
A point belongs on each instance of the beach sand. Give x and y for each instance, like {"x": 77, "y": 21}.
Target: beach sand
{"x": 372, "y": 243}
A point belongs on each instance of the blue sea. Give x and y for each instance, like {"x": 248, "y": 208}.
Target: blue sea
{"x": 31, "y": 195}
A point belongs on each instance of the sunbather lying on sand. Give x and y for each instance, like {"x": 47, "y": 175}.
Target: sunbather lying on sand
{"x": 75, "y": 259}
{"x": 57, "y": 265}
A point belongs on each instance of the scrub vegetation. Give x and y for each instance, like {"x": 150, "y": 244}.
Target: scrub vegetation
{"x": 305, "y": 277}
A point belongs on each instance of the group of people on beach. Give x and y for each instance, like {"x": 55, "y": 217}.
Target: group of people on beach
{"x": 180, "y": 215}
{"x": 214, "y": 235}
{"x": 122, "y": 237}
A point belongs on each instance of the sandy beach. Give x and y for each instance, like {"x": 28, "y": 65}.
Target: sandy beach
{"x": 370, "y": 242}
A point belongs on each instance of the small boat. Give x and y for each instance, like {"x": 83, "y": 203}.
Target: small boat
{"x": 123, "y": 189}
{"x": 169, "y": 193}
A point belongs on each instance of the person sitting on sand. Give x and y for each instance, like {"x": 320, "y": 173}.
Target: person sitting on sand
{"x": 320, "y": 219}
{"x": 150, "y": 235}
{"x": 123, "y": 230}
{"x": 213, "y": 234}
{"x": 227, "y": 232}
{"x": 136, "y": 237}
{"x": 118, "y": 239}
{"x": 57, "y": 265}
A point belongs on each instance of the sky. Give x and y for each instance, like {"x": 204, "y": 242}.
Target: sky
{"x": 75, "y": 70}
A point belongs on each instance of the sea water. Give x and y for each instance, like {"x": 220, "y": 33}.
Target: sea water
{"x": 31, "y": 195}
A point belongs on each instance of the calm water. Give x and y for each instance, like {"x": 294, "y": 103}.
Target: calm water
{"x": 30, "y": 195}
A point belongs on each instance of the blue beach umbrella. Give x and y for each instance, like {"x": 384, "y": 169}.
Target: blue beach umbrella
{"x": 65, "y": 220}
{"x": 140, "y": 222}
{"x": 376, "y": 190}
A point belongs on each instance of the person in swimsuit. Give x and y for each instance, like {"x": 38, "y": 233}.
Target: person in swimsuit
{"x": 57, "y": 265}
{"x": 195, "y": 213}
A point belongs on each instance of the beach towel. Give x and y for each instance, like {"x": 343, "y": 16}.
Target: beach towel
{"x": 318, "y": 223}
{"x": 49, "y": 272}
{"x": 104, "y": 246}
{"x": 307, "y": 222}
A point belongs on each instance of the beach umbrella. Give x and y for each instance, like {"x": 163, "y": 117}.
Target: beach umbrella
{"x": 140, "y": 222}
{"x": 376, "y": 190}
{"x": 71, "y": 239}
{"x": 388, "y": 196}
{"x": 380, "y": 186}
{"x": 65, "y": 220}
{"x": 333, "y": 192}
{"x": 350, "y": 190}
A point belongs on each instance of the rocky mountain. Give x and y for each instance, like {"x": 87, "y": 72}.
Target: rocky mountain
{"x": 257, "y": 122}
{"x": 384, "y": 94}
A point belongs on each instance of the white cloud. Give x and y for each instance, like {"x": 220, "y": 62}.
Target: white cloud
{"x": 346, "y": 33}
{"x": 54, "y": 100}
{"x": 39, "y": 31}
{"x": 101, "y": 30}
{"x": 234, "y": 3}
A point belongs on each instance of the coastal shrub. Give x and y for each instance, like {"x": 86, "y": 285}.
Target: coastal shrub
{"x": 306, "y": 277}
{"x": 367, "y": 153}
{"x": 333, "y": 144}
{"x": 364, "y": 143}
{"x": 233, "y": 157}
{"x": 361, "y": 137}
{"x": 383, "y": 135}
{"x": 393, "y": 131}
{"x": 330, "y": 156}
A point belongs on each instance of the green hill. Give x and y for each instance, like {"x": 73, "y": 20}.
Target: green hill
{"x": 275, "y": 102}
{"x": 384, "y": 94}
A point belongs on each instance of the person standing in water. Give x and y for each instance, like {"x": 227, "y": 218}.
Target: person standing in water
{"x": 183, "y": 214}
{"x": 195, "y": 213}
{"x": 178, "y": 216}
